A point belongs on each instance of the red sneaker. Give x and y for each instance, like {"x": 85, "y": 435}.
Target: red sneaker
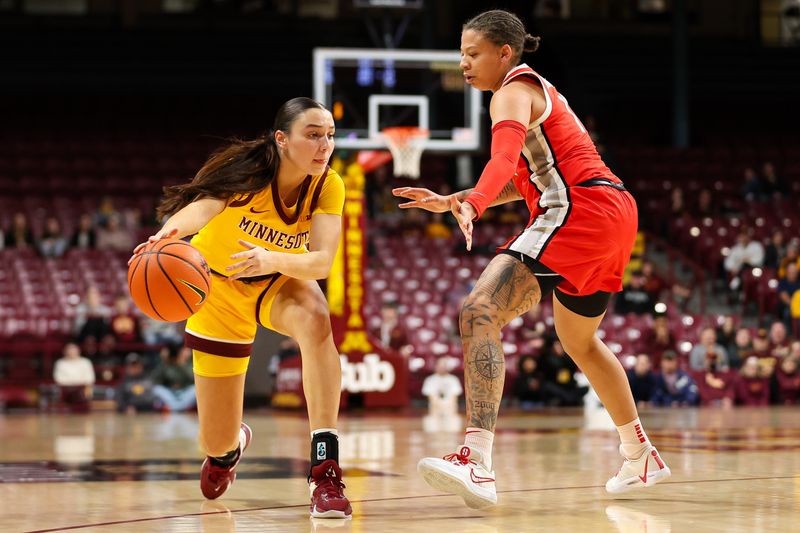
{"x": 327, "y": 494}
{"x": 215, "y": 480}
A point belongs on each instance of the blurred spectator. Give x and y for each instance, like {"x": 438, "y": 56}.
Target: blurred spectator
{"x": 708, "y": 351}
{"x": 135, "y": 393}
{"x": 509, "y": 214}
{"x": 792, "y": 257}
{"x": 746, "y": 253}
{"x": 75, "y": 375}
{"x": 775, "y": 250}
{"x": 674, "y": 387}
{"x": 85, "y": 236}
{"x": 681, "y": 295}
{"x": 642, "y": 380}
{"x": 750, "y": 388}
{"x": 677, "y": 205}
{"x": 287, "y": 349}
{"x": 559, "y": 371}
{"x": 659, "y": 339}
{"x": 104, "y": 212}
{"x": 173, "y": 380}
{"x": 788, "y": 381}
{"x": 156, "y": 332}
{"x": 53, "y": 242}
{"x": 742, "y": 347}
{"x": 389, "y": 333}
{"x": 634, "y": 298}
{"x": 752, "y": 190}
{"x": 528, "y": 385}
{"x": 715, "y": 385}
{"x": 726, "y": 332}
{"x": 653, "y": 283}
{"x": 773, "y": 185}
{"x": 114, "y": 236}
{"x": 788, "y": 286}
{"x": 779, "y": 344}
{"x": 436, "y": 228}
{"x": 705, "y": 204}
{"x": 19, "y": 234}
{"x": 442, "y": 389}
{"x": 124, "y": 323}
{"x": 91, "y": 317}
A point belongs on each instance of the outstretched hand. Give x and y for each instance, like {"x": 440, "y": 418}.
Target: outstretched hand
{"x": 423, "y": 199}
{"x": 153, "y": 238}
{"x": 464, "y": 213}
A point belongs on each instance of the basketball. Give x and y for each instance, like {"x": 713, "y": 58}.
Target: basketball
{"x": 169, "y": 280}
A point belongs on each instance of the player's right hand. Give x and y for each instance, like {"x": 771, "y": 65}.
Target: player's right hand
{"x": 423, "y": 198}
{"x": 163, "y": 234}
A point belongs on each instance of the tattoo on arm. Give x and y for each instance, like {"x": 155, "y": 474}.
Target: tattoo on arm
{"x": 462, "y": 195}
{"x": 508, "y": 194}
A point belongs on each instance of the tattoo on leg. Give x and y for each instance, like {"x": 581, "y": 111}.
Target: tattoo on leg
{"x": 488, "y": 361}
{"x": 483, "y": 415}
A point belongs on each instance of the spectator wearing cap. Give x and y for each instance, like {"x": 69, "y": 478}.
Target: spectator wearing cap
{"x": 707, "y": 350}
{"x": 634, "y": 298}
{"x": 642, "y": 380}
{"x": 746, "y": 253}
{"x": 787, "y": 381}
{"x": 135, "y": 392}
{"x": 751, "y": 389}
{"x": 674, "y": 387}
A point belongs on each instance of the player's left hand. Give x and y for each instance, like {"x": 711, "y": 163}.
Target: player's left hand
{"x": 254, "y": 261}
{"x": 464, "y": 213}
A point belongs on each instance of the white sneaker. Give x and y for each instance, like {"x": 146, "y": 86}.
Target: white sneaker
{"x": 645, "y": 471}
{"x": 462, "y": 473}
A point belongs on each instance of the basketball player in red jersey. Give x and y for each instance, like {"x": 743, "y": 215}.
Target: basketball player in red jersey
{"x": 577, "y": 242}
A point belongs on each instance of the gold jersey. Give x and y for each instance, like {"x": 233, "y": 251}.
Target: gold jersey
{"x": 262, "y": 219}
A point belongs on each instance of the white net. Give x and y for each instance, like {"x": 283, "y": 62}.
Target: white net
{"x": 406, "y": 145}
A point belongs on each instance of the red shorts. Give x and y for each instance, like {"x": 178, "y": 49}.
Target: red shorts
{"x": 586, "y": 238}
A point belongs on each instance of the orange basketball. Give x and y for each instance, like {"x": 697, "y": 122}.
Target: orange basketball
{"x": 169, "y": 280}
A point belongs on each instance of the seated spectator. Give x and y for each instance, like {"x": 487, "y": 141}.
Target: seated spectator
{"x": 779, "y": 343}
{"x": 674, "y": 387}
{"x": 442, "y": 389}
{"x": 558, "y": 369}
{"x": 750, "y": 388}
{"x": 752, "y": 190}
{"x": 773, "y": 186}
{"x": 135, "y": 393}
{"x": 742, "y": 347}
{"x": 156, "y": 332}
{"x": 19, "y": 235}
{"x": 436, "y": 228}
{"x": 124, "y": 323}
{"x": 634, "y": 298}
{"x": 659, "y": 339}
{"x": 114, "y": 236}
{"x": 173, "y": 380}
{"x": 92, "y": 317}
{"x": 792, "y": 257}
{"x": 53, "y": 242}
{"x": 788, "y": 382}
{"x": 715, "y": 385}
{"x": 681, "y": 294}
{"x": 705, "y": 206}
{"x": 775, "y": 250}
{"x": 788, "y": 286}
{"x": 677, "y": 205}
{"x": 642, "y": 380}
{"x": 708, "y": 350}
{"x": 653, "y": 283}
{"x": 105, "y": 211}
{"x": 390, "y": 333}
{"x": 726, "y": 332}
{"x": 528, "y": 385}
{"x": 85, "y": 236}
{"x": 75, "y": 375}
{"x": 746, "y": 253}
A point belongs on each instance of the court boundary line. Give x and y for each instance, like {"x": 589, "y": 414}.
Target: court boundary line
{"x": 277, "y": 507}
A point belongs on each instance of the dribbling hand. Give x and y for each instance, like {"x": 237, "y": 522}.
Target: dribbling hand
{"x": 153, "y": 238}
{"x": 255, "y": 261}
{"x": 464, "y": 213}
{"x": 423, "y": 199}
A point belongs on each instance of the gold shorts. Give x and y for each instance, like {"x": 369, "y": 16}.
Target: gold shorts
{"x": 221, "y": 334}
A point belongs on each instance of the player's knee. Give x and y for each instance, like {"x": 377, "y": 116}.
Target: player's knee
{"x": 314, "y": 320}
{"x": 480, "y": 311}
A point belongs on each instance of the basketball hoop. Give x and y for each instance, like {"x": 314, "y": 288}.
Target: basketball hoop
{"x": 406, "y": 143}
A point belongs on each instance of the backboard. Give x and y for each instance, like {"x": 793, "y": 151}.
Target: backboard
{"x": 368, "y": 90}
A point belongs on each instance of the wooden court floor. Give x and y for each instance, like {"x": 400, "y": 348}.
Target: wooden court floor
{"x": 732, "y": 471}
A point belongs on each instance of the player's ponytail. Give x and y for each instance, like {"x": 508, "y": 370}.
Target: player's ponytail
{"x": 502, "y": 27}
{"x": 241, "y": 167}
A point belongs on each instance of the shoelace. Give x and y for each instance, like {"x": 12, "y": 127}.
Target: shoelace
{"x": 331, "y": 486}
{"x": 458, "y": 458}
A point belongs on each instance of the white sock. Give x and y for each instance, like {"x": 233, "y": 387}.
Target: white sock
{"x": 324, "y": 430}
{"x": 634, "y": 439}
{"x": 480, "y": 439}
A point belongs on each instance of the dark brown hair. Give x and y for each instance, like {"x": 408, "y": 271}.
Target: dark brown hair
{"x": 240, "y": 167}
{"x": 502, "y": 27}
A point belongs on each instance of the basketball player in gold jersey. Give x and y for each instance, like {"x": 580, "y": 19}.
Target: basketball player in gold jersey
{"x": 266, "y": 215}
